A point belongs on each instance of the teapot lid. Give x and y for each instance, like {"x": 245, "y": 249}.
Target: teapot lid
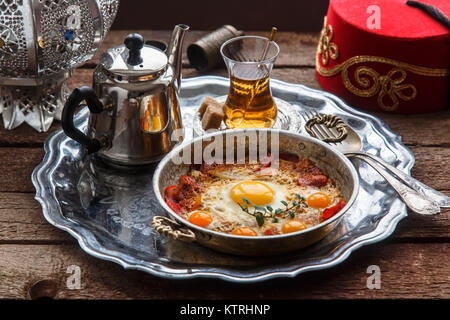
{"x": 134, "y": 60}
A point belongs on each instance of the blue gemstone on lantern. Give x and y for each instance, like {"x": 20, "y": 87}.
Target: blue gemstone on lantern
{"x": 68, "y": 35}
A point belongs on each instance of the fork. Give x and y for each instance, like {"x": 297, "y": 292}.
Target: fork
{"x": 407, "y": 187}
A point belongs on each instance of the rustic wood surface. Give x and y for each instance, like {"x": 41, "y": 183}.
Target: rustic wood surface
{"x": 414, "y": 261}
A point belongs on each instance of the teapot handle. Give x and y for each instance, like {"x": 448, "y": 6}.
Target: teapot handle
{"x": 72, "y": 103}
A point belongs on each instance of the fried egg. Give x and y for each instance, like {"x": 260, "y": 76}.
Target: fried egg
{"x": 228, "y": 190}
{"x": 260, "y": 193}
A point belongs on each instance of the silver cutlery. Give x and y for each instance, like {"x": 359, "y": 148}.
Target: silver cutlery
{"x": 416, "y": 195}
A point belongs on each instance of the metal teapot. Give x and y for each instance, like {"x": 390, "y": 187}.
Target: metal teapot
{"x": 133, "y": 102}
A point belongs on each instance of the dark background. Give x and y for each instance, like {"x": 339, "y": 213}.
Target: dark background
{"x": 250, "y": 15}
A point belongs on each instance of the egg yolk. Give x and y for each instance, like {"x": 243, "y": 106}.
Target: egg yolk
{"x": 200, "y": 218}
{"x": 256, "y": 192}
{"x": 318, "y": 200}
{"x": 292, "y": 226}
{"x": 244, "y": 231}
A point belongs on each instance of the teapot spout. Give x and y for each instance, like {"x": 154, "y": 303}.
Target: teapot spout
{"x": 174, "y": 51}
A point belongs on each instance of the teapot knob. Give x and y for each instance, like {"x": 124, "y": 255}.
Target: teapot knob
{"x": 134, "y": 42}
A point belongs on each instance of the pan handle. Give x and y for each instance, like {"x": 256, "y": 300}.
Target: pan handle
{"x": 172, "y": 229}
{"x": 95, "y": 106}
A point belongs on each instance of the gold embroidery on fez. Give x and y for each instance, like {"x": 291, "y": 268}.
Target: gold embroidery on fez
{"x": 327, "y": 48}
{"x": 368, "y": 82}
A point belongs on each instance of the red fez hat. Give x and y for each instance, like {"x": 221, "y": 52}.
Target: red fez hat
{"x": 385, "y": 55}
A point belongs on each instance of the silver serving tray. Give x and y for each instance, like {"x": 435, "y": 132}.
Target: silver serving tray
{"x": 288, "y": 118}
{"x": 109, "y": 210}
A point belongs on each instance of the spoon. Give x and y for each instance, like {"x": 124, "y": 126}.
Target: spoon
{"x": 427, "y": 202}
{"x": 269, "y": 40}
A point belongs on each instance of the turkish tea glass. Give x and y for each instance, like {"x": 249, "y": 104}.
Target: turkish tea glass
{"x": 249, "y": 60}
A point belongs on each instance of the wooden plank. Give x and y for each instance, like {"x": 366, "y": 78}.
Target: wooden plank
{"x": 407, "y": 271}
{"x": 21, "y": 221}
{"x": 305, "y": 76}
{"x": 296, "y": 49}
{"x": 17, "y": 164}
{"x": 25, "y": 136}
{"x": 432, "y": 164}
{"x": 432, "y": 129}
{"x": 429, "y": 129}
{"x": 418, "y": 227}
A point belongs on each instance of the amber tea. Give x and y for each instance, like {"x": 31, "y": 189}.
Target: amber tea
{"x": 249, "y": 60}
{"x": 249, "y": 103}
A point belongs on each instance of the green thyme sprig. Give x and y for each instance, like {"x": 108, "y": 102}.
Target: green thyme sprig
{"x": 266, "y": 211}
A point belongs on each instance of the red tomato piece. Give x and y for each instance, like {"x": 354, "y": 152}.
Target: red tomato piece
{"x": 175, "y": 207}
{"x": 170, "y": 192}
{"x": 331, "y": 211}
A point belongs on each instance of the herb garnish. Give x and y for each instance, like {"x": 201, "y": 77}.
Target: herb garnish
{"x": 266, "y": 211}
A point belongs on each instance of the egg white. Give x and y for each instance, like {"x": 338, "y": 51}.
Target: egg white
{"x": 280, "y": 194}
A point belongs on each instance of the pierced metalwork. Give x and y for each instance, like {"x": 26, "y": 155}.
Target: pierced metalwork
{"x": 41, "y": 41}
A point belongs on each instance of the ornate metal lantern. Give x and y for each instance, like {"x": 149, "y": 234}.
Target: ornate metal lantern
{"x": 41, "y": 41}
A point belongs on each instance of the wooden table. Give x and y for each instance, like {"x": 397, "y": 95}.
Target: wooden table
{"x": 414, "y": 262}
